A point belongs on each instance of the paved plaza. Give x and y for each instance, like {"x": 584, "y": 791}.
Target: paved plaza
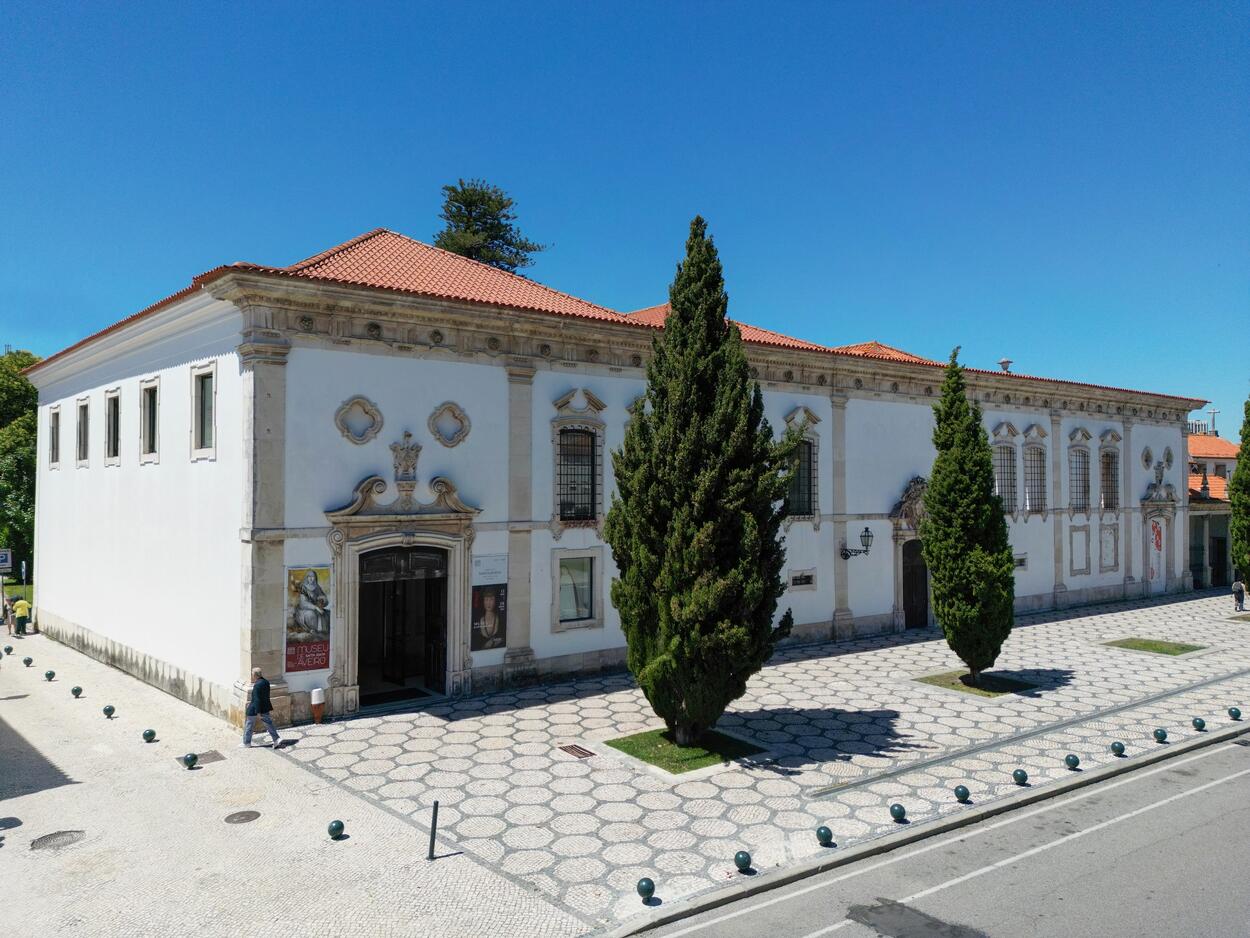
{"x": 558, "y": 842}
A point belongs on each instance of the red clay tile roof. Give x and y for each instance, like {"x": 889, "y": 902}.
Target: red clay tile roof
{"x": 1212, "y": 447}
{"x": 883, "y": 352}
{"x": 1215, "y": 485}
{"x": 391, "y": 261}
{"x": 655, "y": 316}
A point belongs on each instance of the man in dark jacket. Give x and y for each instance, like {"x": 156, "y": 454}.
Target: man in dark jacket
{"x": 259, "y": 706}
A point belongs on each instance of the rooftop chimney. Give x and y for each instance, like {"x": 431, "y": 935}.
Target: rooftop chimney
{"x": 1004, "y": 364}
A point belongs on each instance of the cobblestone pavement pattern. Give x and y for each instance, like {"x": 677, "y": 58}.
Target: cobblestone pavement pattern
{"x": 578, "y": 833}
{"x": 583, "y": 831}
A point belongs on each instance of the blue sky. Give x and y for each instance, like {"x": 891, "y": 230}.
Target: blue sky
{"x": 1067, "y": 185}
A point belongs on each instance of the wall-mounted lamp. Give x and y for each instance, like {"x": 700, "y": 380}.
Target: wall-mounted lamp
{"x": 865, "y": 538}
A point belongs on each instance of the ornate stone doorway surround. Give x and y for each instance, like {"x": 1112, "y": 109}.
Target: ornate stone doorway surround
{"x": 906, "y": 515}
{"x": 367, "y": 525}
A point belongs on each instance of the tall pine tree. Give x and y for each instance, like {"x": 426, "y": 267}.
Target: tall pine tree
{"x": 695, "y": 524}
{"x": 1239, "y": 497}
{"x": 964, "y": 534}
{"x": 481, "y": 225}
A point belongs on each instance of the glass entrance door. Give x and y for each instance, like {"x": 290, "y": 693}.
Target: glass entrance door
{"x": 402, "y": 624}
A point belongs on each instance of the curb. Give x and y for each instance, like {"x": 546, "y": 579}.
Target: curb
{"x": 923, "y": 830}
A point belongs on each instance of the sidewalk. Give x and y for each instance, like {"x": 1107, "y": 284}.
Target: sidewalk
{"x": 561, "y": 841}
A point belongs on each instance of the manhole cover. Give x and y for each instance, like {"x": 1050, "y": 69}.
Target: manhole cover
{"x": 57, "y": 840}
{"x": 242, "y": 817}
{"x": 1241, "y": 742}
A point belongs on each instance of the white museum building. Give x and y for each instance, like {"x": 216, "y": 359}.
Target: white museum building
{"x": 383, "y": 472}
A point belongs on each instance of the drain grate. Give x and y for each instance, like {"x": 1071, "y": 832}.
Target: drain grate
{"x": 580, "y": 752}
{"x": 242, "y": 817}
{"x": 57, "y": 840}
{"x": 1241, "y": 742}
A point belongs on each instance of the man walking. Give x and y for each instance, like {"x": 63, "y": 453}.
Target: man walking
{"x": 21, "y": 611}
{"x": 1239, "y": 595}
{"x": 259, "y": 706}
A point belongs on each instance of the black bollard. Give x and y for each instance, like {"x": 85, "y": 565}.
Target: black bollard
{"x": 433, "y": 831}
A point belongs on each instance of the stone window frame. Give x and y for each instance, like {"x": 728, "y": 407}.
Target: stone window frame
{"x": 596, "y": 588}
{"x": 1034, "y": 436}
{"x": 1114, "y": 566}
{"x": 201, "y": 453}
{"x": 1078, "y": 441}
{"x": 54, "y": 437}
{"x": 1020, "y": 561}
{"x": 805, "y": 421}
{"x": 153, "y": 457}
{"x": 791, "y": 587}
{"x": 569, "y": 417}
{"x": 82, "y": 432}
{"x": 1004, "y": 437}
{"x": 112, "y": 426}
{"x": 1109, "y": 444}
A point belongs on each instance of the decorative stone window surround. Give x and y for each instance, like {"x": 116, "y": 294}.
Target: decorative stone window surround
{"x": 1113, "y": 530}
{"x": 54, "y": 436}
{"x": 82, "y": 433}
{"x": 1109, "y": 442}
{"x": 596, "y": 589}
{"x": 365, "y": 406}
{"x": 1034, "y": 435}
{"x": 570, "y": 417}
{"x": 1004, "y": 437}
{"x": 155, "y": 455}
{"x": 1078, "y": 560}
{"x": 791, "y": 575}
{"x": 110, "y": 395}
{"x": 1078, "y": 440}
{"x": 200, "y": 453}
{"x": 805, "y": 421}
{"x": 452, "y": 410}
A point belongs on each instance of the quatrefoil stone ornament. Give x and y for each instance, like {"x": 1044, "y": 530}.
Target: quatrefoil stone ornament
{"x": 449, "y": 424}
{"x": 358, "y": 419}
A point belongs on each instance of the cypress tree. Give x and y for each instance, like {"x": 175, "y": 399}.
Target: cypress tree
{"x": 694, "y": 525}
{"x": 1239, "y": 499}
{"x": 964, "y": 534}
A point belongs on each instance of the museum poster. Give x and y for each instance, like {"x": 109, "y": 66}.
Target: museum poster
{"x": 307, "y": 618}
{"x": 490, "y": 602}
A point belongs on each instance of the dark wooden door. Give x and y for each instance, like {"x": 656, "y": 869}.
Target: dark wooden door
{"x": 1219, "y": 561}
{"x": 915, "y": 587}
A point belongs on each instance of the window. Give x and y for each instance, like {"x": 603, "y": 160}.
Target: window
{"x": 1005, "y": 476}
{"x": 576, "y": 587}
{"x": 1109, "y": 480}
{"x": 802, "y": 579}
{"x": 203, "y": 399}
{"x": 149, "y": 421}
{"x": 112, "y": 434}
{"x": 84, "y": 414}
{"x": 577, "y": 473}
{"x": 800, "y": 500}
{"x": 1078, "y": 479}
{"x": 1221, "y": 470}
{"x": 1034, "y": 480}
{"x": 54, "y": 437}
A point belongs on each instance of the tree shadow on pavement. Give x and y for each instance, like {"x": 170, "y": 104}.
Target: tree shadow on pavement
{"x": 26, "y": 770}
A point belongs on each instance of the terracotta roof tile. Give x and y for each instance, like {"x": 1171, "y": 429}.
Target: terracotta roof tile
{"x": 1212, "y": 447}
{"x": 391, "y": 261}
{"x": 655, "y": 316}
{"x": 1217, "y": 486}
{"x": 882, "y": 352}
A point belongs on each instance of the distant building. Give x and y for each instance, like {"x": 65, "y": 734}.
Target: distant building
{"x": 383, "y": 472}
{"x": 1211, "y": 463}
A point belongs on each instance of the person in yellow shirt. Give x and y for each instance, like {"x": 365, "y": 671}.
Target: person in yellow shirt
{"x": 21, "y": 610}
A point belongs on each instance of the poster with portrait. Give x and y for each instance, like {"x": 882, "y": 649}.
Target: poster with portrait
{"x": 307, "y": 618}
{"x": 489, "y": 615}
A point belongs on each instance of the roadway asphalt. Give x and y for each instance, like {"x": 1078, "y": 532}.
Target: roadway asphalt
{"x": 1161, "y": 851}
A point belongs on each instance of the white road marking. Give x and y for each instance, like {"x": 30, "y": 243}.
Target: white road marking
{"x": 1012, "y": 818}
{"x": 1041, "y": 848}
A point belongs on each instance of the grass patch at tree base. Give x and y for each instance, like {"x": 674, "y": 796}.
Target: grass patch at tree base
{"x": 1154, "y": 645}
{"x": 657, "y": 748}
{"x": 990, "y": 685}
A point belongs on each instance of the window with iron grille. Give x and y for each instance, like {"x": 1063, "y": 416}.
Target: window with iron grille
{"x": 1109, "y": 480}
{"x": 801, "y": 498}
{"x": 576, "y": 475}
{"x": 54, "y": 437}
{"x": 1034, "y": 480}
{"x": 1078, "y": 479}
{"x": 1005, "y": 476}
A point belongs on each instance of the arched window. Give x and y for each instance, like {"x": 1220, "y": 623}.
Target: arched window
{"x": 801, "y": 498}
{"x": 1005, "y": 476}
{"x": 1109, "y": 479}
{"x": 577, "y": 475}
{"x": 1034, "y": 480}
{"x": 1078, "y": 479}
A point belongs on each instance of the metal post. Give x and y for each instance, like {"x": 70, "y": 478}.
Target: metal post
{"x": 433, "y": 831}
